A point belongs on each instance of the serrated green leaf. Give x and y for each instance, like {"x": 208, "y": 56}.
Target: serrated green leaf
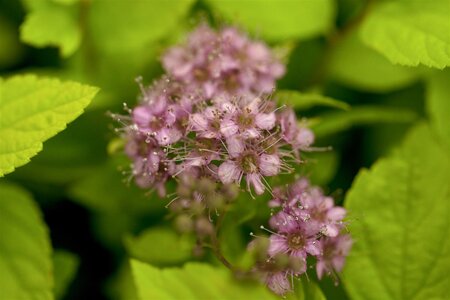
{"x": 33, "y": 110}
{"x": 304, "y": 101}
{"x": 410, "y": 32}
{"x": 193, "y": 281}
{"x": 52, "y": 25}
{"x": 333, "y": 122}
{"x": 172, "y": 247}
{"x": 438, "y": 104}
{"x": 401, "y": 208}
{"x": 279, "y": 19}
{"x": 65, "y": 265}
{"x": 355, "y": 64}
{"x": 25, "y": 251}
{"x": 71, "y": 155}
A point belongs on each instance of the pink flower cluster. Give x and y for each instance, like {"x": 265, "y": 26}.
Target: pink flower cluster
{"x": 210, "y": 124}
{"x": 184, "y": 124}
{"x": 307, "y": 224}
{"x": 223, "y": 63}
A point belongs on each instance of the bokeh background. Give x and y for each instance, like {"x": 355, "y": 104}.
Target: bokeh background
{"x": 91, "y": 213}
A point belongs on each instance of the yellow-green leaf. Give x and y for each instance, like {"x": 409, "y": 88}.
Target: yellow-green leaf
{"x": 410, "y": 32}
{"x": 25, "y": 251}
{"x": 32, "y": 110}
{"x": 401, "y": 224}
{"x": 279, "y": 19}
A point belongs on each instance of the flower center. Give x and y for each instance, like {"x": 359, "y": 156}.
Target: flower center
{"x": 200, "y": 75}
{"x": 156, "y": 123}
{"x": 231, "y": 83}
{"x": 245, "y": 120}
{"x": 249, "y": 163}
{"x": 296, "y": 241}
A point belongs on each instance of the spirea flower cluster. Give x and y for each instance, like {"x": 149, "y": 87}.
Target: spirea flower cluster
{"x": 210, "y": 125}
{"x": 307, "y": 224}
{"x": 207, "y": 127}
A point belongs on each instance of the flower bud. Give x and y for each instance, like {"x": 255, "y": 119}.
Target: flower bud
{"x": 215, "y": 201}
{"x": 206, "y": 186}
{"x": 203, "y": 227}
{"x": 281, "y": 261}
{"x": 230, "y": 192}
{"x": 297, "y": 264}
{"x": 184, "y": 223}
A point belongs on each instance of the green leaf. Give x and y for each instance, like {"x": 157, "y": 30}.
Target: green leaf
{"x": 353, "y": 63}
{"x": 410, "y": 32}
{"x": 25, "y": 251}
{"x": 172, "y": 248}
{"x": 193, "y": 281}
{"x": 33, "y": 110}
{"x": 320, "y": 167}
{"x": 402, "y": 211}
{"x": 66, "y": 265}
{"x": 304, "y": 101}
{"x": 334, "y": 122}
{"x": 71, "y": 155}
{"x": 121, "y": 286}
{"x": 279, "y": 19}
{"x": 106, "y": 191}
{"x": 52, "y": 25}
{"x": 305, "y": 289}
{"x": 11, "y": 51}
{"x": 438, "y": 104}
{"x": 117, "y": 25}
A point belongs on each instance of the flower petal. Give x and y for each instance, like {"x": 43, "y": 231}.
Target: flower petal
{"x": 167, "y": 136}
{"x": 235, "y": 146}
{"x": 254, "y": 179}
{"x": 265, "y": 121}
{"x": 278, "y": 283}
{"x": 142, "y": 116}
{"x": 228, "y": 127}
{"x": 278, "y": 244}
{"x": 198, "y": 122}
{"x": 269, "y": 165}
{"x": 229, "y": 172}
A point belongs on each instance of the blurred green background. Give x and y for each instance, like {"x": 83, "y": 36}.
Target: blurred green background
{"x": 101, "y": 221}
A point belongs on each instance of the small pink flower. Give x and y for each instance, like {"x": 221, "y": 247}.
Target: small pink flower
{"x": 206, "y": 123}
{"x": 297, "y": 243}
{"x": 247, "y": 119}
{"x": 247, "y": 162}
{"x": 278, "y": 282}
{"x": 298, "y": 137}
{"x": 334, "y": 252}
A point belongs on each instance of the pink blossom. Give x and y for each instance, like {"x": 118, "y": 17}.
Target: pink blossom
{"x": 297, "y": 136}
{"x": 223, "y": 62}
{"x": 278, "y": 282}
{"x": 334, "y": 252}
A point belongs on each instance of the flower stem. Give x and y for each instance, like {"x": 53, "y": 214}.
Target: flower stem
{"x": 216, "y": 243}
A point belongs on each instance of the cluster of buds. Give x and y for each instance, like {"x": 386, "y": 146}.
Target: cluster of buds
{"x": 307, "y": 224}
{"x": 197, "y": 200}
